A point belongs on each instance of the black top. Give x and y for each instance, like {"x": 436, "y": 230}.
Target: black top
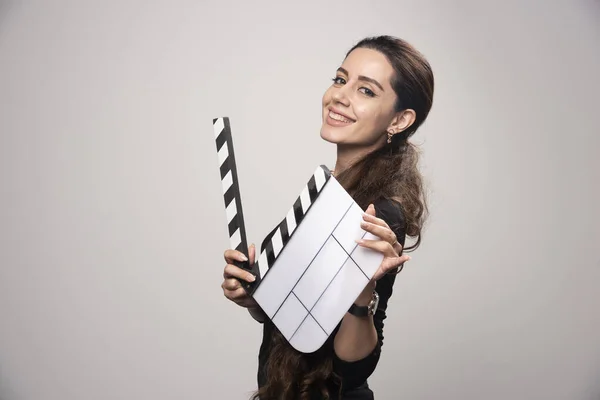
{"x": 354, "y": 374}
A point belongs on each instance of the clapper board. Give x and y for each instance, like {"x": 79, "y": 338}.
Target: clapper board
{"x": 311, "y": 270}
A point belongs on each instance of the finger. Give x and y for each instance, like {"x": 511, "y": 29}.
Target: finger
{"x": 378, "y": 245}
{"x": 381, "y": 232}
{"x": 373, "y": 219}
{"x": 231, "y": 271}
{"x": 238, "y": 294}
{"x": 394, "y": 263}
{"x": 252, "y": 253}
{"x": 231, "y": 255}
{"x": 235, "y": 295}
{"x": 231, "y": 284}
{"x": 371, "y": 210}
{"x": 398, "y": 247}
{"x": 390, "y": 264}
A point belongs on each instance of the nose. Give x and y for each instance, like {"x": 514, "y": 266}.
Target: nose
{"x": 340, "y": 96}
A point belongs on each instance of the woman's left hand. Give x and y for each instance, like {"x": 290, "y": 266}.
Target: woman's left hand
{"x": 387, "y": 244}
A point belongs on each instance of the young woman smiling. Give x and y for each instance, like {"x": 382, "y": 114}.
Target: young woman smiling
{"x": 380, "y": 95}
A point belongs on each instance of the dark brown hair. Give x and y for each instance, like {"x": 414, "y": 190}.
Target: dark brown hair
{"x": 389, "y": 172}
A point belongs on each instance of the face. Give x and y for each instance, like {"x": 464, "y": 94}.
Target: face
{"x": 358, "y": 108}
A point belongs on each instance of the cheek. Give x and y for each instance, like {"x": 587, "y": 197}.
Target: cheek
{"x": 326, "y": 97}
{"x": 372, "y": 121}
{"x": 368, "y": 114}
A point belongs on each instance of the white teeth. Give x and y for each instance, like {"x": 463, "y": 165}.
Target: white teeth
{"x": 339, "y": 117}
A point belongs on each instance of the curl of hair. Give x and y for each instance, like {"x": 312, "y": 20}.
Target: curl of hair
{"x": 391, "y": 172}
{"x": 296, "y": 376}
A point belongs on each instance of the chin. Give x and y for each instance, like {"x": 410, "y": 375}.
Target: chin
{"x": 328, "y": 135}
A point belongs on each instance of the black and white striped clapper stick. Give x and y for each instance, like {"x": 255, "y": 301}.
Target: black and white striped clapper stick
{"x": 231, "y": 193}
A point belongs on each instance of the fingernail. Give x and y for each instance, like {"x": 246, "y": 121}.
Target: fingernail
{"x": 359, "y": 241}
{"x": 364, "y": 224}
{"x": 244, "y": 258}
{"x": 251, "y": 278}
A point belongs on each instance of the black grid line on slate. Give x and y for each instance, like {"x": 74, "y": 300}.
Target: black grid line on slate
{"x": 311, "y": 261}
{"x": 349, "y": 257}
{"x": 326, "y": 287}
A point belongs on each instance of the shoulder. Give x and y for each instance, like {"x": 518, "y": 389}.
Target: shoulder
{"x": 392, "y": 213}
{"x": 389, "y": 206}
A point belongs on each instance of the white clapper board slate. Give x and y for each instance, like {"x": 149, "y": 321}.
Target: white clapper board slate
{"x": 311, "y": 270}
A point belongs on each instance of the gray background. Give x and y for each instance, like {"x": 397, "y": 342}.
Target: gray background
{"x": 112, "y": 223}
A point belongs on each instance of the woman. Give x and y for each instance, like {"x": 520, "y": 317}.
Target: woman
{"x": 380, "y": 95}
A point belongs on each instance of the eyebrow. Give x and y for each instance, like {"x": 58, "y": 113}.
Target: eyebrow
{"x": 363, "y": 78}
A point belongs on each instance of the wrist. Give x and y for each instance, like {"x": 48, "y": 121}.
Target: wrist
{"x": 366, "y": 295}
{"x": 257, "y": 313}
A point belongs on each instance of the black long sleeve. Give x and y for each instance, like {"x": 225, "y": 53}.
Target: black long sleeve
{"x": 355, "y": 373}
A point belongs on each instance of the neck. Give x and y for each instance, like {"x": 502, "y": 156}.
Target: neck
{"x": 348, "y": 155}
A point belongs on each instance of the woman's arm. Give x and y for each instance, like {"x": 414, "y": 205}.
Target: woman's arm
{"x": 357, "y": 336}
{"x": 357, "y": 343}
{"x": 355, "y": 372}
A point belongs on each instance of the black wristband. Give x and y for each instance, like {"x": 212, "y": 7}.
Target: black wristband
{"x": 363, "y": 311}
{"x": 359, "y": 311}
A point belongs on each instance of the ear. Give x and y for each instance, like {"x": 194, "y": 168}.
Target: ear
{"x": 402, "y": 121}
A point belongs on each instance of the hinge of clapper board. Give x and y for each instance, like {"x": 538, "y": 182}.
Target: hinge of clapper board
{"x": 231, "y": 195}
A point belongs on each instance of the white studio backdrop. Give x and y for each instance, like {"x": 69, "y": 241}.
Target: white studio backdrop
{"x": 112, "y": 222}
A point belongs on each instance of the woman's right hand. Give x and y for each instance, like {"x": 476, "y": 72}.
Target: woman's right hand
{"x": 231, "y": 286}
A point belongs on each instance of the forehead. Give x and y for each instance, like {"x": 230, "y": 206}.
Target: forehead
{"x": 370, "y": 63}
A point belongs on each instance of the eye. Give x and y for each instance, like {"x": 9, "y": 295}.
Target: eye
{"x": 367, "y": 91}
{"x": 338, "y": 80}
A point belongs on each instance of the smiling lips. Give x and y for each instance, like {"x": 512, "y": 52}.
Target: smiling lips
{"x": 337, "y": 119}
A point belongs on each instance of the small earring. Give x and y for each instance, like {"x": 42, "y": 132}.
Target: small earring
{"x": 390, "y": 134}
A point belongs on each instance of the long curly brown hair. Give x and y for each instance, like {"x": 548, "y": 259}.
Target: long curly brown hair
{"x": 390, "y": 172}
